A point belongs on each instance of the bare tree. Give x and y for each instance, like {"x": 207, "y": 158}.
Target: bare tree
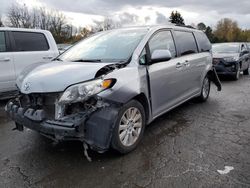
{"x": 44, "y": 18}
{"x": 108, "y": 24}
{"x": 14, "y": 16}
{"x": 25, "y": 17}
{"x": 57, "y": 24}
{"x": 52, "y": 20}
{"x": 85, "y": 32}
{"x": 19, "y": 16}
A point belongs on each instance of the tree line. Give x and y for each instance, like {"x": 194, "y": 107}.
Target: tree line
{"x": 20, "y": 16}
{"x": 226, "y": 30}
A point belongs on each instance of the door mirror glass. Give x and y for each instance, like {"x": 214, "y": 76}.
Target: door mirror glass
{"x": 160, "y": 55}
{"x": 244, "y": 52}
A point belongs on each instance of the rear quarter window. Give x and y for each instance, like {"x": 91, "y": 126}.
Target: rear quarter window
{"x": 186, "y": 43}
{"x": 28, "y": 41}
{"x": 203, "y": 42}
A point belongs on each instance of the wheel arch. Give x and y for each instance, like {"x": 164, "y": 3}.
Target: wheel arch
{"x": 145, "y": 103}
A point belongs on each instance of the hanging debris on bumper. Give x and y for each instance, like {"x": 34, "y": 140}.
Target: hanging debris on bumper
{"x": 213, "y": 77}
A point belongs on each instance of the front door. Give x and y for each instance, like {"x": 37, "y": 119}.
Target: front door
{"x": 166, "y": 78}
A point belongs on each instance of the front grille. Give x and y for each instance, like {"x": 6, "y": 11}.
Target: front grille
{"x": 44, "y": 102}
{"x": 216, "y": 61}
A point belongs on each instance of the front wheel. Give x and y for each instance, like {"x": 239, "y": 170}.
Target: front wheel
{"x": 129, "y": 127}
{"x": 236, "y": 76}
{"x": 205, "y": 90}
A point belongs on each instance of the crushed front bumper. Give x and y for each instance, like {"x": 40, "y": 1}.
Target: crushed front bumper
{"x": 225, "y": 68}
{"x": 68, "y": 128}
{"x": 93, "y": 128}
{"x": 222, "y": 70}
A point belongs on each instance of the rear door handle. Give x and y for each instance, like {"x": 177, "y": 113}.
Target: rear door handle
{"x": 5, "y": 59}
{"x": 178, "y": 65}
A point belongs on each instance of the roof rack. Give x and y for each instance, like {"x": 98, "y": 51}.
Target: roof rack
{"x": 187, "y": 26}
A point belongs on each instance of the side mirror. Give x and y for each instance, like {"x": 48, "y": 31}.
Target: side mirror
{"x": 244, "y": 52}
{"x": 160, "y": 55}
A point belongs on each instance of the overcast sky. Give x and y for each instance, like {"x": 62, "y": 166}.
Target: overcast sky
{"x": 84, "y": 12}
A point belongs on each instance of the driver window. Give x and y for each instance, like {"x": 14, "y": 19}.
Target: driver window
{"x": 162, "y": 40}
{"x": 143, "y": 57}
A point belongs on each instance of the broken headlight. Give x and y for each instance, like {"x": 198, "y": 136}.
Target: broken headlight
{"x": 82, "y": 91}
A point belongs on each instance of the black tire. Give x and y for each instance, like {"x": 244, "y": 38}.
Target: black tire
{"x": 236, "y": 76}
{"x": 205, "y": 90}
{"x": 246, "y": 72}
{"x": 116, "y": 142}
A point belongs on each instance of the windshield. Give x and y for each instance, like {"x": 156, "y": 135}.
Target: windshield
{"x": 114, "y": 45}
{"x": 226, "y": 48}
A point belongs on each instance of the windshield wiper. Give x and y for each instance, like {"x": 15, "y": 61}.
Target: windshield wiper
{"x": 57, "y": 59}
{"x": 87, "y": 60}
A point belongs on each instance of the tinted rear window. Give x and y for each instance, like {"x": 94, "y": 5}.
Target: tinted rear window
{"x": 186, "y": 42}
{"x": 2, "y": 42}
{"x": 203, "y": 42}
{"x": 28, "y": 41}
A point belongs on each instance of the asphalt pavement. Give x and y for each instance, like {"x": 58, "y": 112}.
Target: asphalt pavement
{"x": 195, "y": 145}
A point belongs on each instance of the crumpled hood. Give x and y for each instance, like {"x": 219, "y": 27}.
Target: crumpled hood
{"x": 224, "y": 55}
{"x": 56, "y": 76}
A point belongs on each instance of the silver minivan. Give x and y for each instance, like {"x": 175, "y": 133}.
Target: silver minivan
{"x": 104, "y": 90}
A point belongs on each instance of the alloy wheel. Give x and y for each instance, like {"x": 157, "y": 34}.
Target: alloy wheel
{"x": 205, "y": 88}
{"x": 130, "y": 126}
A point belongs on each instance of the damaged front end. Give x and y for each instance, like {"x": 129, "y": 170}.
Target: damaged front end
{"x": 89, "y": 121}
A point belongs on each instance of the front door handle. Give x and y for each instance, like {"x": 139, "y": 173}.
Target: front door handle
{"x": 186, "y": 63}
{"x": 5, "y": 59}
{"x": 48, "y": 57}
{"x": 178, "y": 65}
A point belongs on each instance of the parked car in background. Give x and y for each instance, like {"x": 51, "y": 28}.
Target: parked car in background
{"x": 63, "y": 47}
{"x": 104, "y": 94}
{"x": 20, "y": 48}
{"x": 231, "y": 59}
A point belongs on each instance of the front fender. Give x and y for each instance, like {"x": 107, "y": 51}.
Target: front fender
{"x": 131, "y": 81}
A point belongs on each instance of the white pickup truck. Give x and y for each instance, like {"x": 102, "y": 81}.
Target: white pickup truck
{"x": 20, "y": 48}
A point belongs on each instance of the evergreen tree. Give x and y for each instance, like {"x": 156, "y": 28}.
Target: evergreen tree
{"x": 202, "y": 26}
{"x": 176, "y": 18}
{"x": 210, "y": 35}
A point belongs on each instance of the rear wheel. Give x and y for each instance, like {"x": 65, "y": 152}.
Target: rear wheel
{"x": 129, "y": 127}
{"x": 205, "y": 91}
